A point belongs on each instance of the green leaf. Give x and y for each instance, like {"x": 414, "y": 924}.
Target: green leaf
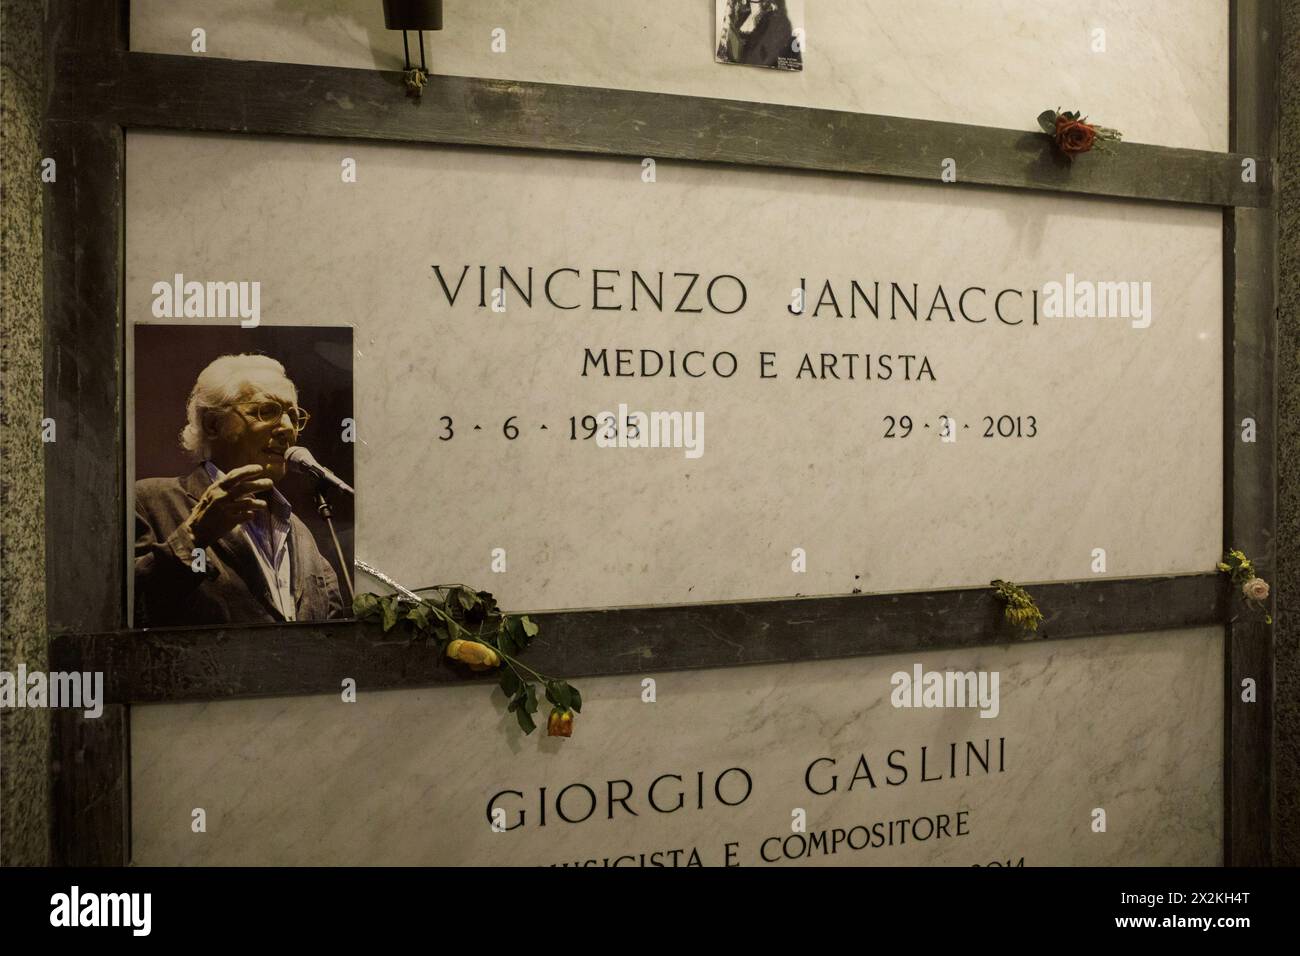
{"x": 468, "y": 599}
{"x": 509, "y": 682}
{"x": 530, "y": 629}
{"x": 365, "y": 605}
{"x": 1047, "y": 120}
{"x": 388, "y": 606}
{"x": 525, "y": 721}
{"x": 506, "y": 642}
{"x": 419, "y": 616}
{"x": 515, "y": 702}
{"x": 559, "y": 694}
{"x": 575, "y": 699}
{"x": 519, "y": 637}
{"x": 531, "y": 691}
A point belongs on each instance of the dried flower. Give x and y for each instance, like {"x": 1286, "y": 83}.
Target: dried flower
{"x": 1020, "y": 608}
{"x": 415, "y": 79}
{"x": 1073, "y": 134}
{"x": 1254, "y": 589}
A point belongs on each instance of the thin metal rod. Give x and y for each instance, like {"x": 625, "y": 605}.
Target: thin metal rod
{"x": 420, "y": 36}
{"x": 406, "y": 50}
{"x": 381, "y": 576}
{"x": 323, "y": 506}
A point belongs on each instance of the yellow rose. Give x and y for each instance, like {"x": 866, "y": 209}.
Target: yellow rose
{"x": 560, "y": 723}
{"x": 478, "y": 656}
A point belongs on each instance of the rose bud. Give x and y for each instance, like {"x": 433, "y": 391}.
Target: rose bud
{"x": 560, "y": 723}
{"x": 478, "y": 656}
{"x": 1256, "y": 589}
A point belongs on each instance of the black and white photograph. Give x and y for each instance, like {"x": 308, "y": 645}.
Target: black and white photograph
{"x": 243, "y": 500}
{"x": 768, "y": 33}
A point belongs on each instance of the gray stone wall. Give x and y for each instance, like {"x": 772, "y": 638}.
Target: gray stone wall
{"x": 1286, "y": 843}
{"x": 24, "y": 734}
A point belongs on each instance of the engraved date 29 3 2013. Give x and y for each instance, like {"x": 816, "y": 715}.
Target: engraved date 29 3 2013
{"x": 948, "y": 428}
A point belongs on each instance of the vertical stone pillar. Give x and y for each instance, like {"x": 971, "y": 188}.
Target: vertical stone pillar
{"x": 1286, "y": 836}
{"x": 24, "y": 734}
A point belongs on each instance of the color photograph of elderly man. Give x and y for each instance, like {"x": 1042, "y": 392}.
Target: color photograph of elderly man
{"x": 222, "y": 543}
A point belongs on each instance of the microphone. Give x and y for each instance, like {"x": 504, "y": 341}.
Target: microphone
{"x": 301, "y": 460}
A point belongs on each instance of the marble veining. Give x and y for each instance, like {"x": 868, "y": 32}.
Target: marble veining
{"x": 1130, "y": 723}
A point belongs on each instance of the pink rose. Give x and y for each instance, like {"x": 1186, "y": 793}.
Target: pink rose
{"x": 1256, "y": 589}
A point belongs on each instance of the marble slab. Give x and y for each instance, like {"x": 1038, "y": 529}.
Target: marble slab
{"x": 1130, "y": 724}
{"x": 1162, "y": 76}
{"x": 1126, "y": 456}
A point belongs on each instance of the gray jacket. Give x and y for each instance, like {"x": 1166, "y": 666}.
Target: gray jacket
{"x": 232, "y": 590}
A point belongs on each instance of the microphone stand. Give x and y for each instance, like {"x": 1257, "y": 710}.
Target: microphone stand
{"x": 323, "y": 508}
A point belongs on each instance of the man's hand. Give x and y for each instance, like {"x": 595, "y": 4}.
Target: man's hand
{"x": 228, "y": 503}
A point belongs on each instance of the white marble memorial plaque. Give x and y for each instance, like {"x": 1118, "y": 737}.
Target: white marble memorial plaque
{"x": 818, "y": 338}
{"x": 713, "y": 771}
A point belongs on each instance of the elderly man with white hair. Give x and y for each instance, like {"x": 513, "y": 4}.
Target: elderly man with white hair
{"x": 221, "y": 545}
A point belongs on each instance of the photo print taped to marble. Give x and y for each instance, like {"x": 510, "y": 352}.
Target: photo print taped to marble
{"x": 767, "y": 33}
{"x": 228, "y": 525}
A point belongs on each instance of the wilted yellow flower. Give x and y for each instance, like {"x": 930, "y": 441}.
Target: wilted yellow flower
{"x": 560, "y": 723}
{"x": 478, "y": 656}
{"x": 1020, "y": 608}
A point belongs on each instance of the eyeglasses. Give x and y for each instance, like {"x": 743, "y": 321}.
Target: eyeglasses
{"x": 269, "y": 412}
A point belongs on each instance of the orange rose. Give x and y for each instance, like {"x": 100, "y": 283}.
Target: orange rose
{"x": 560, "y": 723}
